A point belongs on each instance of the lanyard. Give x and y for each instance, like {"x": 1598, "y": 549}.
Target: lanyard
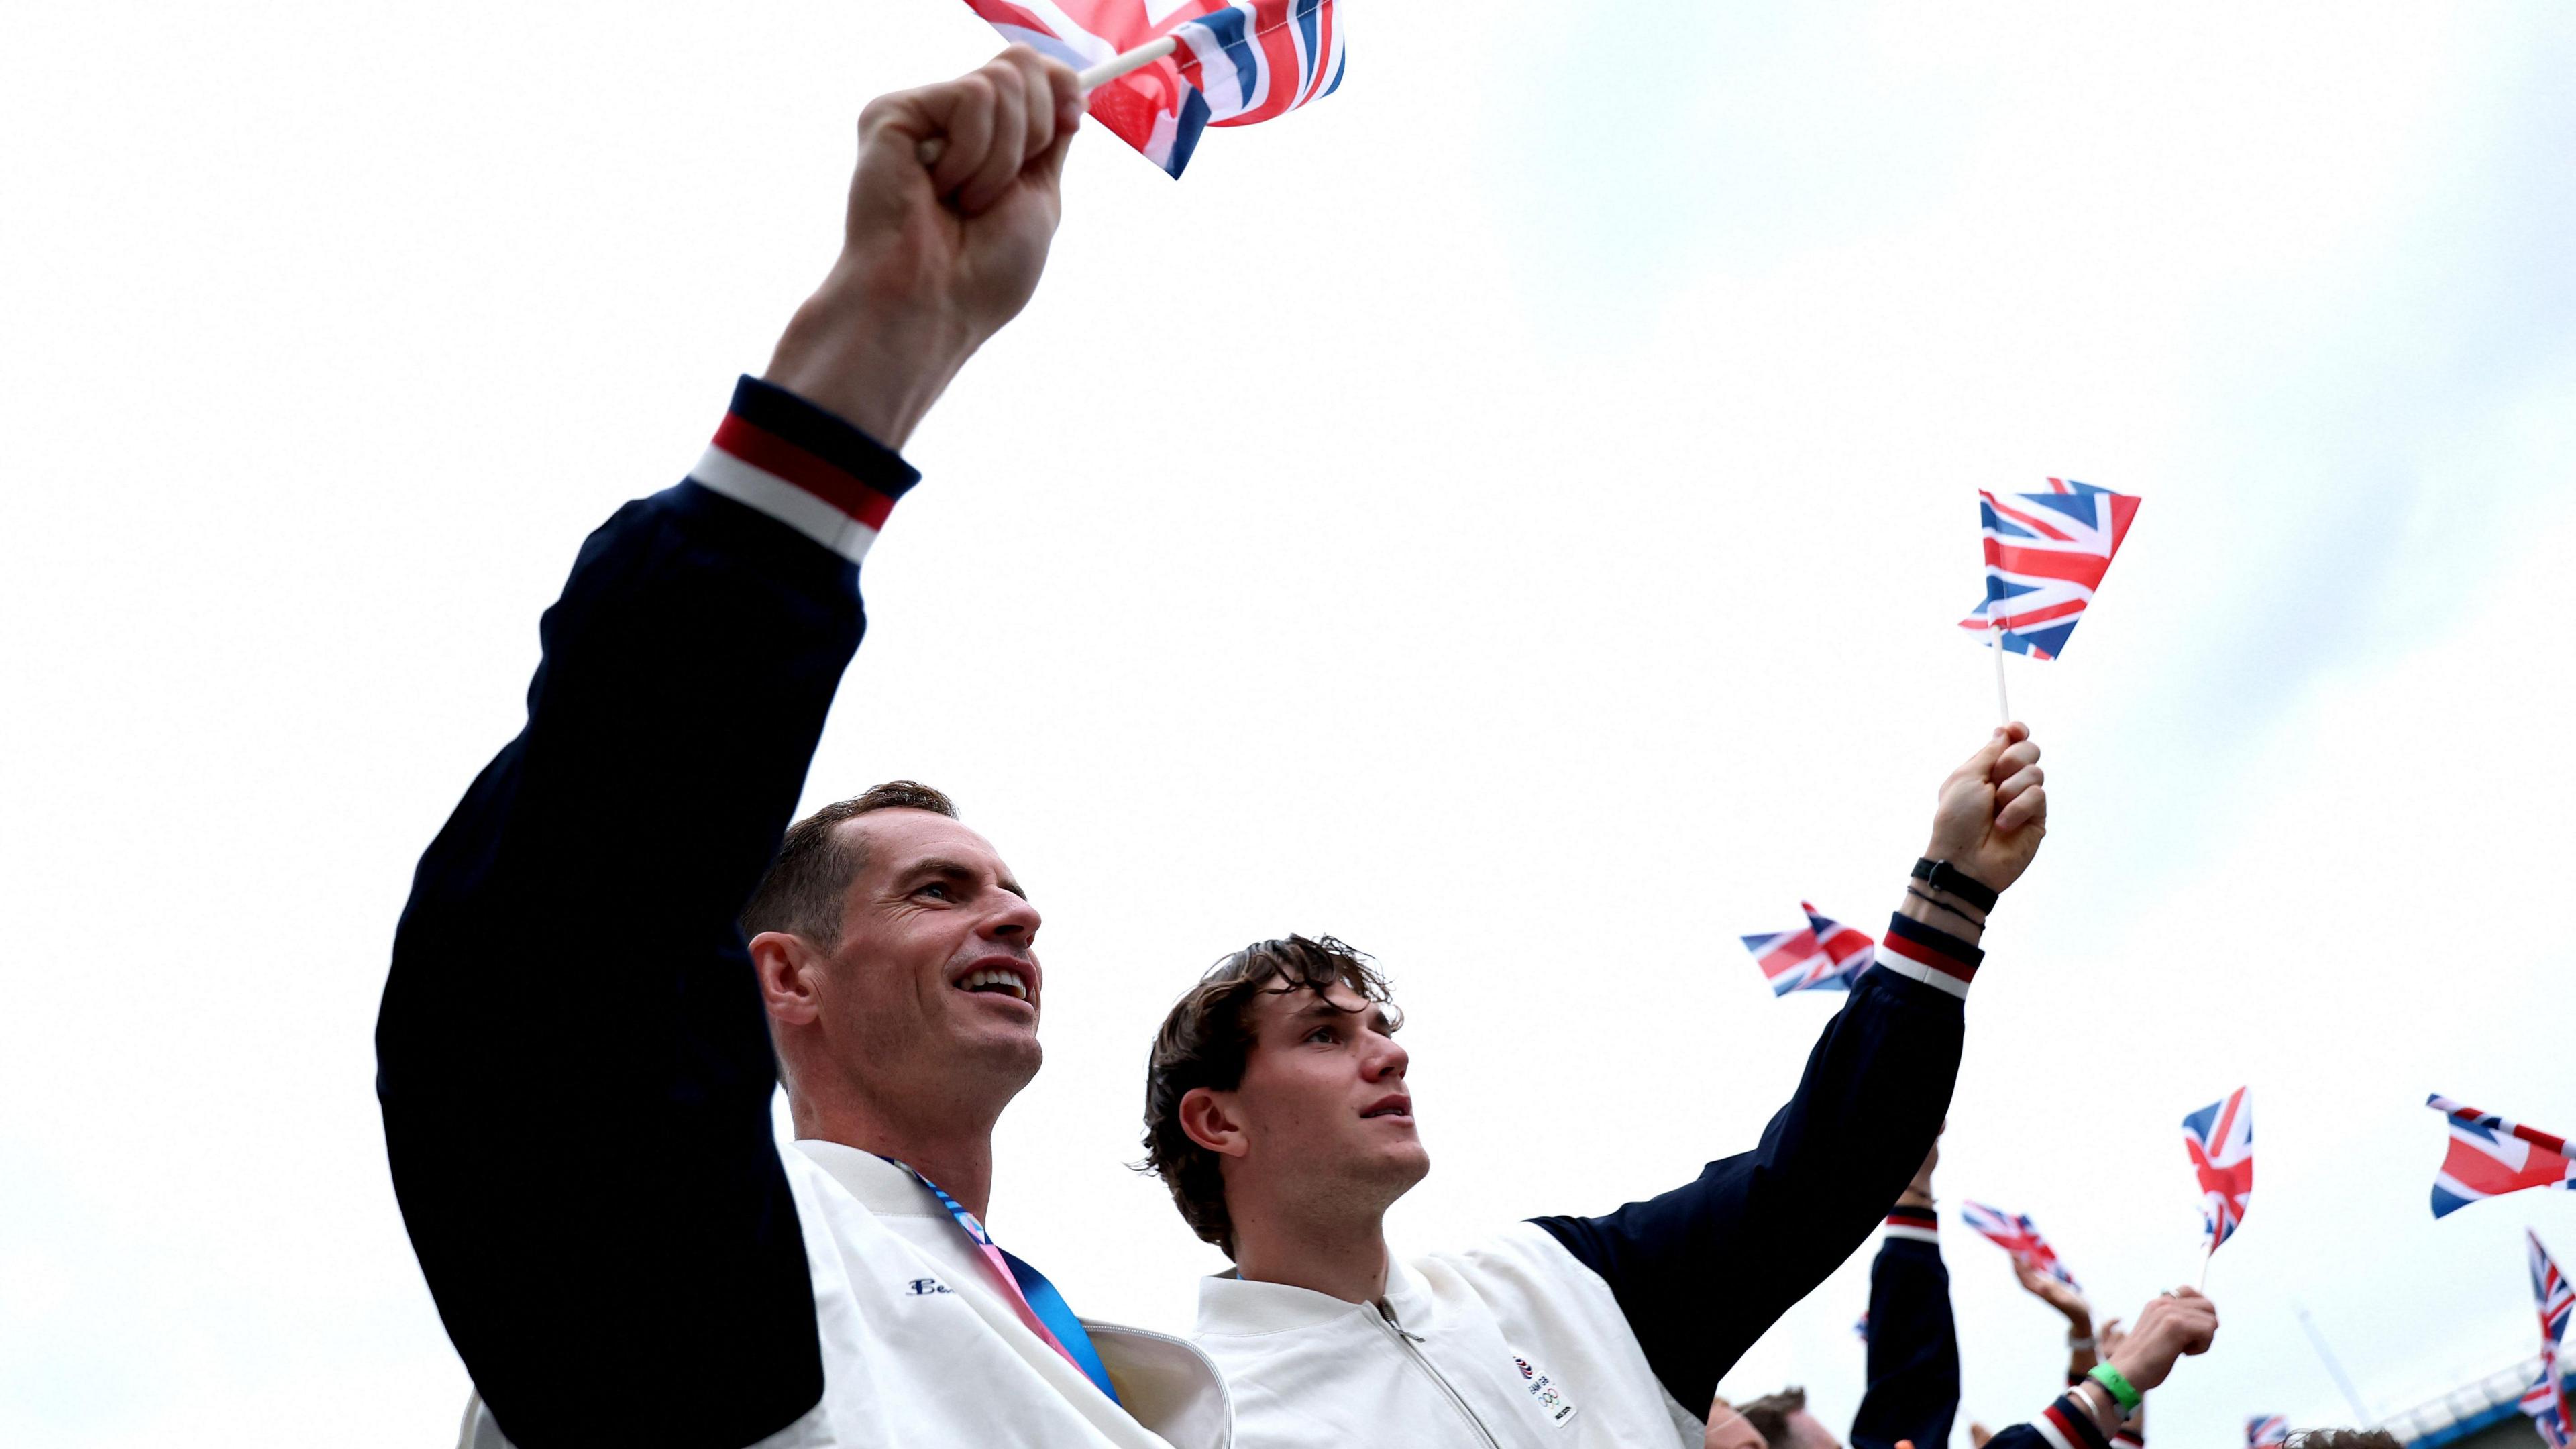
{"x": 1040, "y": 1306}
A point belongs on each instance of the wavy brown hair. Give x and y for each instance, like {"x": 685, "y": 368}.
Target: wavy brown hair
{"x": 1207, "y": 1038}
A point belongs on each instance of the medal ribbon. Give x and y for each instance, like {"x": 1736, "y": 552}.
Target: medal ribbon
{"x": 1039, "y": 1305}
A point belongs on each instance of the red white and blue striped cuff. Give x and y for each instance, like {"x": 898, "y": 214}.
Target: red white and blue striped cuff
{"x": 1916, "y": 1224}
{"x": 807, "y": 468}
{"x": 2066, "y": 1425}
{"x": 1936, "y": 958}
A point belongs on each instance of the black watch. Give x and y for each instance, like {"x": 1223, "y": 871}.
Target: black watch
{"x": 1942, "y": 876}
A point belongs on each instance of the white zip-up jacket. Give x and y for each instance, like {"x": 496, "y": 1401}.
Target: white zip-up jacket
{"x": 1613, "y": 1331}
{"x": 1513, "y": 1345}
{"x": 924, "y": 1349}
{"x": 575, "y": 1067}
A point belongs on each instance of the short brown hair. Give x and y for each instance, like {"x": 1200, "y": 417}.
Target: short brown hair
{"x": 1205, "y": 1041}
{"x": 2343, "y": 1439}
{"x": 809, "y": 880}
{"x": 1769, "y": 1415}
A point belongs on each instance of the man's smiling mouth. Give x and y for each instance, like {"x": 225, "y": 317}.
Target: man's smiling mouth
{"x": 1002, "y": 979}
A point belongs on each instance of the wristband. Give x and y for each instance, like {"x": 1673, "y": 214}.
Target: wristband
{"x": 1940, "y": 875}
{"x": 2117, "y": 1384}
{"x": 2081, "y": 1345}
{"x": 1938, "y": 904}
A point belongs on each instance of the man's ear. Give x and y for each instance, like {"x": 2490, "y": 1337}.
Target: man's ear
{"x": 1208, "y": 1117}
{"x": 786, "y": 966}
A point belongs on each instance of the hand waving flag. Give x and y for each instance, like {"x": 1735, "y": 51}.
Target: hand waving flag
{"x": 1232, "y": 64}
{"x": 2220, "y": 1139}
{"x": 2045, "y": 555}
{"x": 2490, "y": 1155}
{"x": 2017, "y": 1235}
{"x": 2548, "y": 1401}
{"x": 1826, "y": 956}
{"x": 2266, "y": 1429}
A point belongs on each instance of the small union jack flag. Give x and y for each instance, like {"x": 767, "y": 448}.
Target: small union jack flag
{"x": 1234, "y": 63}
{"x": 2017, "y": 1235}
{"x": 2045, "y": 555}
{"x": 2549, "y": 1401}
{"x": 2548, "y": 1411}
{"x": 1824, "y": 956}
{"x": 2266, "y": 1429}
{"x": 2489, "y": 1155}
{"x": 2220, "y": 1139}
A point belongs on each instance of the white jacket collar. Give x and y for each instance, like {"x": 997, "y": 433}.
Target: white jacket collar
{"x": 879, "y": 1185}
{"x": 1229, "y": 1303}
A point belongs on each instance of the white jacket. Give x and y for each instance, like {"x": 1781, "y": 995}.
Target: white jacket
{"x": 921, "y": 1349}
{"x": 1512, "y": 1345}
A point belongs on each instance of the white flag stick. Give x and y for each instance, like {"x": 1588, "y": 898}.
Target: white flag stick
{"x": 1137, "y": 59}
{"x": 934, "y": 147}
{"x": 1995, "y": 635}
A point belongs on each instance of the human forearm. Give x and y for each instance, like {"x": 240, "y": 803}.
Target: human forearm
{"x": 567, "y": 964}
{"x": 1913, "y": 1357}
{"x": 687, "y": 670}
{"x": 878, "y": 362}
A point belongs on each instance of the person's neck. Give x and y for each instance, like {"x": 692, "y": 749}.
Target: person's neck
{"x": 951, "y": 1149}
{"x": 1339, "y": 1254}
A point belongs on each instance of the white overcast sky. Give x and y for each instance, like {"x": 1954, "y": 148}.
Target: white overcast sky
{"x": 1510, "y": 515}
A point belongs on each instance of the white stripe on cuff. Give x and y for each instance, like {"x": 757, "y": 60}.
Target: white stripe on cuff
{"x": 1916, "y": 971}
{"x": 766, "y": 491}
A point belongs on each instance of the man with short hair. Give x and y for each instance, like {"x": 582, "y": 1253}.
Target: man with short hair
{"x": 1784, "y": 1423}
{"x": 1278, "y": 1114}
{"x": 575, "y": 1063}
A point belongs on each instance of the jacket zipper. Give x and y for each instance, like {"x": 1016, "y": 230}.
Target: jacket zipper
{"x": 1407, "y": 1338}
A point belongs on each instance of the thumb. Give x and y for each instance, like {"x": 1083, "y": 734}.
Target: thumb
{"x": 895, "y": 126}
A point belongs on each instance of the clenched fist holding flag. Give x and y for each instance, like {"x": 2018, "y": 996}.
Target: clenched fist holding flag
{"x": 934, "y": 259}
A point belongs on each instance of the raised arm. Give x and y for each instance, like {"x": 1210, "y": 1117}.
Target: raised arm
{"x": 1702, "y": 1271}
{"x": 573, "y": 1065}
{"x": 2089, "y": 1415}
{"x": 1913, "y": 1393}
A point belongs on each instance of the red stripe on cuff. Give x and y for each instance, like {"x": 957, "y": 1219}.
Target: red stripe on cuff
{"x": 825, "y": 480}
{"x": 2065, "y": 1426}
{"x": 1925, "y": 956}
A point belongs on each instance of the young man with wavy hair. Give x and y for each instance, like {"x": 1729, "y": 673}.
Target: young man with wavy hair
{"x": 1277, "y": 1112}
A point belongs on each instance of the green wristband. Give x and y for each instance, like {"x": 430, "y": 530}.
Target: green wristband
{"x": 2118, "y": 1383}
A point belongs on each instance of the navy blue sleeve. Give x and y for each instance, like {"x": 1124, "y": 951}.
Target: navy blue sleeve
{"x": 1913, "y": 1342}
{"x": 1703, "y": 1270}
{"x": 572, "y": 1059}
{"x": 2067, "y": 1426}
